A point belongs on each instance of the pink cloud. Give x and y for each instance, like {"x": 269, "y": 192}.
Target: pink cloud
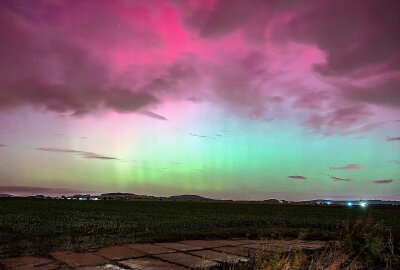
{"x": 250, "y": 58}
{"x": 341, "y": 120}
{"x": 383, "y": 181}
{"x": 392, "y": 139}
{"x": 348, "y": 167}
{"x": 299, "y": 177}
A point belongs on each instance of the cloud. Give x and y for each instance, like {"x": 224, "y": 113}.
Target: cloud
{"x": 153, "y": 115}
{"x": 355, "y": 50}
{"x": 28, "y": 190}
{"x": 197, "y": 135}
{"x": 2, "y": 145}
{"x": 342, "y": 120}
{"x": 194, "y": 99}
{"x": 392, "y": 139}
{"x": 297, "y": 177}
{"x": 312, "y": 100}
{"x": 340, "y": 179}
{"x": 383, "y": 181}
{"x": 43, "y": 70}
{"x": 88, "y": 155}
{"x": 249, "y": 58}
{"x": 348, "y": 167}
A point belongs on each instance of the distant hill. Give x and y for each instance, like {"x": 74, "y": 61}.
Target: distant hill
{"x": 127, "y": 196}
{"x": 188, "y": 198}
{"x": 131, "y": 197}
{"x": 6, "y": 196}
{"x": 272, "y": 201}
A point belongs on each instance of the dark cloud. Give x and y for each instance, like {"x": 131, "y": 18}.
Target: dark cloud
{"x": 348, "y": 167}
{"x": 238, "y": 82}
{"x": 341, "y": 120}
{"x": 88, "y": 155}
{"x": 359, "y": 137}
{"x": 57, "y": 75}
{"x": 366, "y": 42}
{"x": 28, "y": 190}
{"x": 297, "y": 177}
{"x": 194, "y": 99}
{"x": 384, "y": 91}
{"x": 383, "y": 181}
{"x": 392, "y": 139}
{"x": 226, "y": 16}
{"x": 2, "y": 145}
{"x": 64, "y": 99}
{"x": 312, "y": 100}
{"x": 340, "y": 179}
{"x": 198, "y": 135}
{"x": 153, "y": 115}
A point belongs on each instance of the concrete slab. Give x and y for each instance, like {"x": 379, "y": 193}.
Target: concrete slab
{"x": 79, "y": 259}
{"x": 30, "y": 263}
{"x": 231, "y": 242}
{"x": 203, "y": 243}
{"x": 313, "y": 244}
{"x": 268, "y": 247}
{"x": 237, "y": 250}
{"x": 119, "y": 253}
{"x": 101, "y": 267}
{"x": 286, "y": 245}
{"x": 150, "y": 248}
{"x": 213, "y": 255}
{"x": 178, "y": 246}
{"x": 150, "y": 264}
{"x": 187, "y": 260}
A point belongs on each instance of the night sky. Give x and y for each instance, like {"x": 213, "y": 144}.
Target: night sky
{"x": 230, "y": 99}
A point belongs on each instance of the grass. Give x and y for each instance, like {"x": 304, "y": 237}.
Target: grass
{"x": 36, "y": 227}
{"x": 364, "y": 244}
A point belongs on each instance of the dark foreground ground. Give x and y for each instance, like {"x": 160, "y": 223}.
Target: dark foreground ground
{"x": 36, "y": 227}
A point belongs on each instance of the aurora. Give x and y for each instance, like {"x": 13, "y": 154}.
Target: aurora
{"x": 227, "y": 99}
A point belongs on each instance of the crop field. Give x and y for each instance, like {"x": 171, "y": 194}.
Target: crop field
{"x": 34, "y": 226}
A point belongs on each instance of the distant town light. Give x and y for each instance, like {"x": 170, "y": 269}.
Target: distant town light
{"x": 363, "y": 204}
{"x": 349, "y": 204}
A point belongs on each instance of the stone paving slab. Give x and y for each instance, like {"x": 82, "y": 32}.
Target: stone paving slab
{"x": 203, "y": 243}
{"x": 313, "y": 244}
{"x": 198, "y": 254}
{"x": 101, "y": 267}
{"x": 178, "y": 246}
{"x": 213, "y": 255}
{"x": 187, "y": 260}
{"x": 150, "y": 264}
{"x": 79, "y": 259}
{"x": 284, "y": 245}
{"x": 30, "y": 263}
{"x": 150, "y": 248}
{"x": 119, "y": 253}
{"x": 270, "y": 247}
{"x": 237, "y": 250}
{"x": 231, "y": 242}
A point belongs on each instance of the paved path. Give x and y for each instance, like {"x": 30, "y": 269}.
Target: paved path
{"x": 190, "y": 254}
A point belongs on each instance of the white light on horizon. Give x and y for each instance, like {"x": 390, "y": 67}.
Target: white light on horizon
{"x": 363, "y": 204}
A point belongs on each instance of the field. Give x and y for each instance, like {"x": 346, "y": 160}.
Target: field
{"x": 34, "y": 226}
